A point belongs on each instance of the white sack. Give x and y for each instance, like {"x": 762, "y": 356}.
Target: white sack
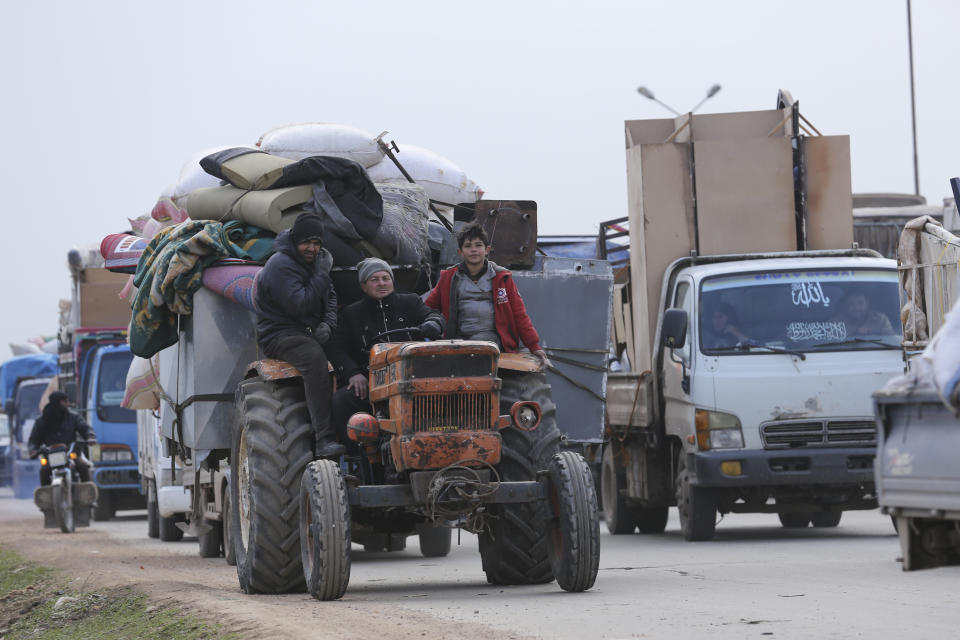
{"x": 439, "y": 177}
{"x": 299, "y": 141}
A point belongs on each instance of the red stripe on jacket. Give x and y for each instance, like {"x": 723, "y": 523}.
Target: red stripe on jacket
{"x": 509, "y": 313}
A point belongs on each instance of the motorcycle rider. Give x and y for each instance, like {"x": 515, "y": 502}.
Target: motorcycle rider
{"x": 58, "y": 425}
{"x": 381, "y": 309}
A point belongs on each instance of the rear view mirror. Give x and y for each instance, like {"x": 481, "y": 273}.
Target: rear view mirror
{"x": 674, "y": 329}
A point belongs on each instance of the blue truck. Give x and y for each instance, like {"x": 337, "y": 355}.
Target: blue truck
{"x": 94, "y": 358}
{"x": 93, "y": 372}
{"x": 23, "y": 381}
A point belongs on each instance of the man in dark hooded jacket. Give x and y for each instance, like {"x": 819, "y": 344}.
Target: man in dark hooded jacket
{"x": 297, "y": 311}
{"x": 57, "y": 425}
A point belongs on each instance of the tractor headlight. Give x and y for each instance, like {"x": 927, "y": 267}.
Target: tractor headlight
{"x": 526, "y": 415}
{"x": 718, "y": 430}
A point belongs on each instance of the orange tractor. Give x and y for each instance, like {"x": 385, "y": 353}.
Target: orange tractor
{"x": 459, "y": 436}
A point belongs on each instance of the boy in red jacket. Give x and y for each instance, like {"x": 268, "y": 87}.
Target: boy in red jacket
{"x": 480, "y": 300}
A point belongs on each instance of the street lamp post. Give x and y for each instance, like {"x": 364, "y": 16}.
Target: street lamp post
{"x": 913, "y": 103}
{"x": 647, "y": 93}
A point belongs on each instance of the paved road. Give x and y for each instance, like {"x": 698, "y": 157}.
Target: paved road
{"x": 754, "y": 580}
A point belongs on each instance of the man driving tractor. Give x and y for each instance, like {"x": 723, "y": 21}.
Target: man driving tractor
{"x": 380, "y": 310}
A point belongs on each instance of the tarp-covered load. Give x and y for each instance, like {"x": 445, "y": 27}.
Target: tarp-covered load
{"x": 33, "y": 365}
{"x": 929, "y": 257}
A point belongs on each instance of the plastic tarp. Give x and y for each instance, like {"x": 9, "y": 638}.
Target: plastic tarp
{"x": 33, "y": 365}
{"x": 929, "y": 257}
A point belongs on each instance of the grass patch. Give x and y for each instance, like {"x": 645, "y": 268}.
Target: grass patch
{"x": 33, "y": 605}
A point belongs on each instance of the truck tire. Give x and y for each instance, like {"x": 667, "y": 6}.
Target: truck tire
{"x": 794, "y": 520}
{"x": 153, "y": 511}
{"x": 696, "y": 506}
{"x": 514, "y": 547}
{"x": 434, "y": 540}
{"x": 104, "y": 508}
{"x": 229, "y": 553}
{"x": 324, "y": 530}
{"x": 826, "y": 518}
{"x": 169, "y": 531}
{"x": 272, "y": 445}
{"x": 209, "y": 542}
{"x": 620, "y": 514}
{"x": 575, "y": 538}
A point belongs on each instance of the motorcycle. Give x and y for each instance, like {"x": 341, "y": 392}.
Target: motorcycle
{"x": 66, "y": 501}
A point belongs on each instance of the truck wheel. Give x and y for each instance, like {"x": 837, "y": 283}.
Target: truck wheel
{"x": 169, "y": 531}
{"x": 272, "y": 445}
{"x": 324, "y": 530}
{"x": 575, "y": 538}
{"x": 696, "y": 505}
{"x": 209, "y": 542}
{"x": 227, "y": 515}
{"x": 513, "y": 547}
{"x": 153, "y": 511}
{"x": 620, "y": 514}
{"x": 434, "y": 540}
{"x": 792, "y": 520}
{"x": 63, "y": 506}
{"x": 826, "y": 518}
{"x": 104, "y": 509}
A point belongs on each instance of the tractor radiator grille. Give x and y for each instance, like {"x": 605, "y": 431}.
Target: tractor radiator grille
{"x": 451, "y": 412}
{"x": 819, "y": 433}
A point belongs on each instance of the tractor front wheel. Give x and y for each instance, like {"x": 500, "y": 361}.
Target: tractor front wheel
{"x": 575, "y": 538}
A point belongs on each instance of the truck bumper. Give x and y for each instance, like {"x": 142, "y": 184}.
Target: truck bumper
{"x": 791, "y": 467}
{"x": 172, "y": 501}
{"x": 109, "y": 477}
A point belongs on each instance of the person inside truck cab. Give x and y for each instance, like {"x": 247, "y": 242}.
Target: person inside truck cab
{"x": 380, "y": 310}
{"x": 57, "y": 425}
{"x": 480, "y": 300}
{"x": 720, "y": 329}
{"x": 297, "y": 312}
{"x": 860, "y": 320}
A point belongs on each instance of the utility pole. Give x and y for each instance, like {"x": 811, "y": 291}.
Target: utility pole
{"x": 913, "y": 102}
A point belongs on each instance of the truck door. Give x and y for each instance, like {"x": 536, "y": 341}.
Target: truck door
{"x": 678, "y": 367}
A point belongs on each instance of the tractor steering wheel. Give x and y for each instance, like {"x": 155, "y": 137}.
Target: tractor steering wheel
{"x": 410, "y": 332}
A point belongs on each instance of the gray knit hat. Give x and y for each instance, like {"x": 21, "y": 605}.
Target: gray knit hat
{"x": 369, "y": 266}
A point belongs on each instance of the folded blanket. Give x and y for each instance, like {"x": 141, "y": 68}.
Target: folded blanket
{"x": 171, "y": 270}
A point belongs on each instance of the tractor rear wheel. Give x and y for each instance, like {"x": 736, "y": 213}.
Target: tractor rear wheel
{"x": 514, "y": 547}
{"x": 575, "y": 538}
{"x": 324, "y": 530}
{"x": 272, "y": 445}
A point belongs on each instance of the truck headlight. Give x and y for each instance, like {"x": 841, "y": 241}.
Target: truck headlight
{"x": 717, "y": 430}
{"x": 115, "y": 453}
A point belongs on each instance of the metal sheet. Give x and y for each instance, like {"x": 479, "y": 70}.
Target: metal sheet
{"x": 569, "y": 302}
{"x": 829, "y": 196}
{"x": 211, "y": 358}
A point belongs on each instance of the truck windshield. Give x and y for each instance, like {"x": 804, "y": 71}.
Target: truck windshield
{"x": 823, "y": 310}
{"x": 111, "y": 386}
{"x": 4, "y": 427}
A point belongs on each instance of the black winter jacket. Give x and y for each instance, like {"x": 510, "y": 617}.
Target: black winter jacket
{"x": 292, "y": 294}
{"x": 48, "y": 431}
{"x": 360, "y": 322}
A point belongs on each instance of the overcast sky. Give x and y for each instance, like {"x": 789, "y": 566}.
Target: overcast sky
{"x": 104, "y": 101}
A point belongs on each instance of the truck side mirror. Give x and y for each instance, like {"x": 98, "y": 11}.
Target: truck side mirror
{"x": 10, "y": 407}
{"x": 674, "y": 330}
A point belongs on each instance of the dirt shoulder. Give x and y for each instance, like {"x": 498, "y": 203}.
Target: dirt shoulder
{"x": 208, "y": 589}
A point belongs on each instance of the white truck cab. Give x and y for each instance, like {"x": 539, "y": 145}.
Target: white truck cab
{"x": 768, "y": 385}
